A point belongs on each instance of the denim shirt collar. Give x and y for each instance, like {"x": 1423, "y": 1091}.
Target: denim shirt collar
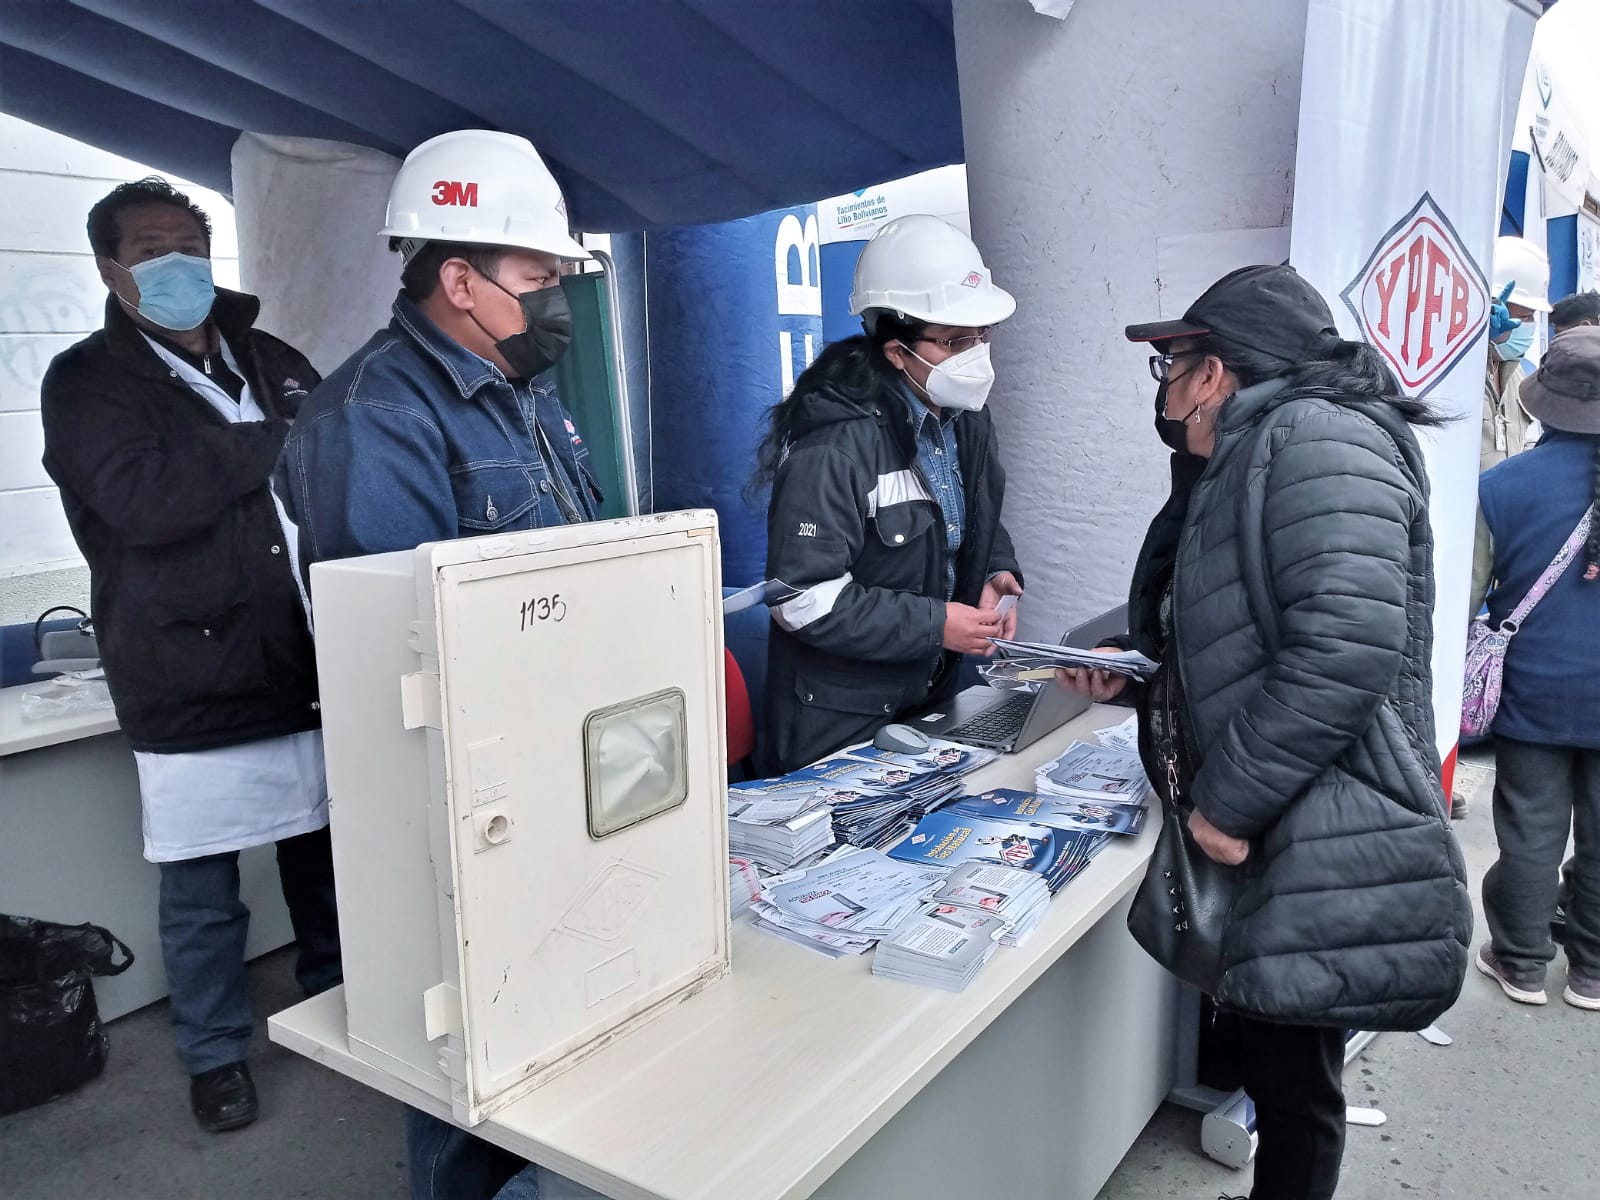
{"x": 918, "y": 411}
{"x": 466, "y": 370}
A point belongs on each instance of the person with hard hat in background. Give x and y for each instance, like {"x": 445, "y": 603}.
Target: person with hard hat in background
{"x": 1521, "y": 284}
{"x": 886, "y": 497}
{"x": 447, "y": 424}
{"x": 1521, "y": 287}
{"x": 162, "y": 431}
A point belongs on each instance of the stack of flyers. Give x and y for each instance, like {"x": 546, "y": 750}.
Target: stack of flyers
{"x": 874, "y": 802}
{"x": 942, "y": 946}
{"x": 1019, "y": 898}
{"x": 1088, "y": 772}
{"x": 948, "y": 839}
{"x": 744, "y": 884}
{"x": 843, "y": 904}
{"x": 1062, "y": 812}
{"x": 941, "y": 756}
{"x": 1121, "y": 737}
{"x": 778, "y": 832}
{"x": 917, "y": 783}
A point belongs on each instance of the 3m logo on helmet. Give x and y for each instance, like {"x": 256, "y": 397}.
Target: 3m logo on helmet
{"x": 453, "y": 192}
{"x": 1421, "y": 299}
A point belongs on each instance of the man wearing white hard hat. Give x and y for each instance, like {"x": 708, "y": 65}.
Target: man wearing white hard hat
{"x": 447, "y": 423}
{"x": 1521, "y": 289}
{"x": 886, "y": 497}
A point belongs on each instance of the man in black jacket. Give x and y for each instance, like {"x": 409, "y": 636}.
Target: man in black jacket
{"x": 886, "y": 496}
{"x": 162, "y": 432}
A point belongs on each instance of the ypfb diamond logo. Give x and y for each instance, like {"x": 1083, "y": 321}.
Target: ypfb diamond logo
{"x": 972, "y": 280}
{"x": 1421, "y": 299}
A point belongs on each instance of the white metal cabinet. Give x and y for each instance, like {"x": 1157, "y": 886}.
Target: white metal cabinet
{"x": 525, "y": 746}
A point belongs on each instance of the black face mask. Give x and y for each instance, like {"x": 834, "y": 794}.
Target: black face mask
{"x": 1169, "y": 429}
{"x": 547, "y": 335}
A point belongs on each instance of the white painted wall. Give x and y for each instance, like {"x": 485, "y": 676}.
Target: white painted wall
{"x": 51, "y": 297}
{"x": 1089, "y": 141}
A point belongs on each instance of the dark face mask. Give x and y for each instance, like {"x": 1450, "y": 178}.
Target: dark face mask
{"x": 1170, "y": 430}
{"x": 547, "y": 335}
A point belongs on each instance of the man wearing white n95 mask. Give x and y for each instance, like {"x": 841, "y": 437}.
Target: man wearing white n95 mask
{"x": 886, "y": 497}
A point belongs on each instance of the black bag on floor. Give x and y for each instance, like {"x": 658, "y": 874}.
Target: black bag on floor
{"x": 51, "y": 1039}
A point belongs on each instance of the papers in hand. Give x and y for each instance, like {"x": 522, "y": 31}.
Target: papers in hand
{"x": 1041, "y": 655}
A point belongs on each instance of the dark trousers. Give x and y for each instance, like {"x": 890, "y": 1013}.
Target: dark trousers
{"x": 203, "y": 928}
{"x": 1294, "y": 1074}
{"x": 1541, "y": 793}
{"x": 445, "y": 1162}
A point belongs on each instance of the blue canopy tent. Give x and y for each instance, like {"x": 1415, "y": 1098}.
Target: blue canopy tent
{"x": 652, "y": 113}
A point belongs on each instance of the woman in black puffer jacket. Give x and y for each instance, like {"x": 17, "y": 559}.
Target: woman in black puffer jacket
{"x": 1287, "y": 588}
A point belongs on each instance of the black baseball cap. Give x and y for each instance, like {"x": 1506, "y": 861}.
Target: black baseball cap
{"x": 1269, "y": 309}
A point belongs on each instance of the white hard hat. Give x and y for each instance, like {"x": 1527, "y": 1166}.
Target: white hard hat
{"x": 924, "y": 268}
{"x": 483, "y": 188}
{"x": 1519, "y": 260}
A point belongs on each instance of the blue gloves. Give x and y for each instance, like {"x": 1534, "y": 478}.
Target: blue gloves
{"x": 1501, "y": 321}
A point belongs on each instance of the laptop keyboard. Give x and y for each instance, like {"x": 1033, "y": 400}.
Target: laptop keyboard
{"x": 999, "y": 724}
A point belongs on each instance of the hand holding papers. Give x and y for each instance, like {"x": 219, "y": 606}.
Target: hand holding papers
{"x": 1042, "y": 655}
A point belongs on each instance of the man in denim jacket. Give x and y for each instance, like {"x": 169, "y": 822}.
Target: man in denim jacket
{"x": 447, "y": 423}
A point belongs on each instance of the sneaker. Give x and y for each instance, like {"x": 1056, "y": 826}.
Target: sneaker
{"x": 223, "y": 1099}
{"x": 1458, "y": 806}
{"x": 1524, "y": 989}
{"x": 1582, "y": 991}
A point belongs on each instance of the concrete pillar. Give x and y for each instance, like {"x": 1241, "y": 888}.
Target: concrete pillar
{"x": 1088, "y": 141}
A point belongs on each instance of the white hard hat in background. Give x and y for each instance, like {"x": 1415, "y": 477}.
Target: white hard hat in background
{"x": 483, "y": 188}
{"x": 1519, "y": 260}
{"x": 921, "y": 267}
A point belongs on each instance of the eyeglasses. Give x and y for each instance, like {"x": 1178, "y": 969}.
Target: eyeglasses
{"x": 1161, "y": 364}
{"x": 957, "y": 344}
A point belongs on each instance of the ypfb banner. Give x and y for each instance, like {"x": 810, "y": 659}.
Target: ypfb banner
{"x": 1406, "y": 113}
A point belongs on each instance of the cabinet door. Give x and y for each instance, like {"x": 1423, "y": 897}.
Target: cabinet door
{"x": 581, "y": 692}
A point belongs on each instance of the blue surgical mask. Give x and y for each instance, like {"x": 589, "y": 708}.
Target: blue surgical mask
{"x": 176, "y": 291}
{"x": 1518, "y": 342}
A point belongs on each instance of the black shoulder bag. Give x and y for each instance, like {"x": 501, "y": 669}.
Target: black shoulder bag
{"x": 1181, "y": 908}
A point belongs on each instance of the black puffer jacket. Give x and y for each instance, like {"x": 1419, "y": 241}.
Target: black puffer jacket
{"x": 1303, "y": 597}
{"x": 853, "y": 523}
{"x": 196, "y": 608}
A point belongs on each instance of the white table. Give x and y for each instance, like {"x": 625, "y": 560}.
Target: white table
{"x": 799, "y": 1076}
{"x": 72, "y": 845}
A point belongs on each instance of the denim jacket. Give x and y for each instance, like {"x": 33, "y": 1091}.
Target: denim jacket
{"x": 417, "y": 439}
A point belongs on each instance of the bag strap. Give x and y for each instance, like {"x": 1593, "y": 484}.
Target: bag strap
{"x": 1558, "y": 567}
{"x": 101, "y": 963}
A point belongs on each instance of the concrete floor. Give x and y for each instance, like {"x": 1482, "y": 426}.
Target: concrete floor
{"x": 1509, "y": 1110}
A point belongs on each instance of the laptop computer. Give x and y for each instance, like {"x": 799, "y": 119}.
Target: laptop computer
{"x": 1009, "y": 721}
